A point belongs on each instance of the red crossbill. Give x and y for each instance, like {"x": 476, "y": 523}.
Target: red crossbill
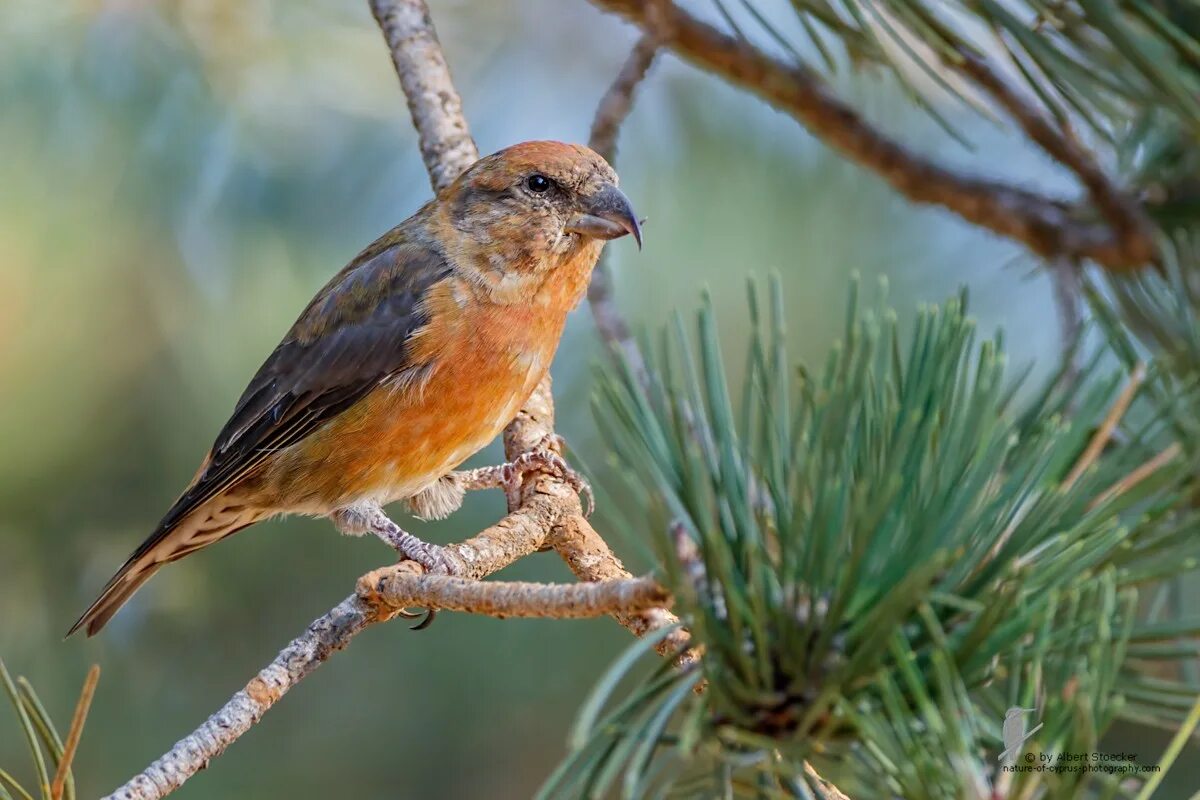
{"x": 411, "y": 359}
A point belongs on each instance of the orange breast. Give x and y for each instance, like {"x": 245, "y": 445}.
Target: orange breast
{"x": 483, "y": 360}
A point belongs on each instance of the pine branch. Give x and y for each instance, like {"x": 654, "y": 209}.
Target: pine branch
{"x": 1050, "y": 227}
{"x": 1016, "y": 547}
{"x": 1130, "y": 224}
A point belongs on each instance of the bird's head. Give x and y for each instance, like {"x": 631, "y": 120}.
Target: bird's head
{"x": 536, "y": 206}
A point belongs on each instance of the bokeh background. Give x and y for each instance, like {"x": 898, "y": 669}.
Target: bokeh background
{"x": 178, "y": 178}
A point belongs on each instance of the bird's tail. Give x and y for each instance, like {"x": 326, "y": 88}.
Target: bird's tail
{"x": 116, "y": 592}
{"x": 171, "y": 541}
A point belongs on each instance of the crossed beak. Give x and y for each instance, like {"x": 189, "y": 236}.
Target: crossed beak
{"x": 606, "y": 215}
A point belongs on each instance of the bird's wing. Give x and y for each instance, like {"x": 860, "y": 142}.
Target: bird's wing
{"x": 351, "y": 337}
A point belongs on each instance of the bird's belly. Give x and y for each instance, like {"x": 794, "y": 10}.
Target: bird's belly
{"x": 404, "y": 436}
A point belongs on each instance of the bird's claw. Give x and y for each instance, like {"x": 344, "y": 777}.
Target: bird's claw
{"x": 543, "y": 459}
{"x": 426, "y": 617}
{"x": 436, "y": 559}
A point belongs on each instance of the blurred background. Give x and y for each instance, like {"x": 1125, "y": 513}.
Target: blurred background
{"x": 178, "y": 178}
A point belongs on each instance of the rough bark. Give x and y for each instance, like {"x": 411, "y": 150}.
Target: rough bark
{"x": 402, "y": 585}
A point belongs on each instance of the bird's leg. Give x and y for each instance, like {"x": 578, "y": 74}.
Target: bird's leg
{"x": 369, "y": 517}
{"x": 508, "y": 476}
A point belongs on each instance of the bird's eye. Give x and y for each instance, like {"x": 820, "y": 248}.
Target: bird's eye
{"x": 538, "y": 184}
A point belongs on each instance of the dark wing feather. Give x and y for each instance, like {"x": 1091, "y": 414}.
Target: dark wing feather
{"x": 351, "y": 337}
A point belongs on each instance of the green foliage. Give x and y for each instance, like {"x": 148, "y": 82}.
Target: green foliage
{"x": 42, "y": 738}
{"x": 879, "y": 559}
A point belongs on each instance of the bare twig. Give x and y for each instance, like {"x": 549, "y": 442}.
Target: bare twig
{"x": 617, "y": 102}
{"x": 1067, "y": 283}
{"x": 614, "y": 107}
{"x": 825, "y": 790}
{"x": 326, "y": 635}
{"x": 591, "y": 559}
{"x": 80, "y": 717}
{"x": 513, "y": 537}
{"x": 403, "y": 585}
{"x": 1049, "y": 227}
{"x": 1108, "y": 425}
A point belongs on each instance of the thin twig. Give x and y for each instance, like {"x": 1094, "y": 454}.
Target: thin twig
{"x": 80, "y": 717}
{"x": 611, "y": 112}
{"x": 1104, "y": 433}
{"x": 517, "y": 535}
{"x": 1067, "y": 283}
{"x": 617, "y": 102}
{"x": 591, "y": 559}
{"x": 325, "y": 636}
{"x": 403, "y": 585}
{"x": 1050, "y": 227}
{"x": 825, "y": 789}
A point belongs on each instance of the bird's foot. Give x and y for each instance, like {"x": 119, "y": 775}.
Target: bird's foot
{"x": 436, "y": 560}
{"x": 509, "y": 476}
{"x": 370, "y": 518}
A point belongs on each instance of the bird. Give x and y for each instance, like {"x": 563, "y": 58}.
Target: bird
{"x": 1012, "y": 732}
{"x": 408, "y": 361}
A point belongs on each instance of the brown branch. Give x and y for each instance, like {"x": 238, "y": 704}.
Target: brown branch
{"x": 1132, "y": 227}
{"x": 326, "y": 635}
{"x": 617, "y": 102}
{"x": 591, "y": 559}
{"x": 403, "y": 585}
{"x": 1049, "y": 227}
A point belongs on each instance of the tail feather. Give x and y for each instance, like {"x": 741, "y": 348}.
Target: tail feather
{"x": 170, "y": 542}
{"x": 118, "y": 590}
